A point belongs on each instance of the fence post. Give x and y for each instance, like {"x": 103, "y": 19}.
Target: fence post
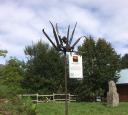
{"x": 20, "y": 96}
{"x": 37, "y": 98}
{"x": 53, "y": 97}
{"x": 69, "y": 97}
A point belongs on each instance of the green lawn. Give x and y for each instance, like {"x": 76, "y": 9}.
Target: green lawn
{"x": 81, "y": 109}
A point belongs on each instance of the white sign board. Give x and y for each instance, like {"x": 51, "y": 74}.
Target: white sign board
{"x": 75, "y": 66}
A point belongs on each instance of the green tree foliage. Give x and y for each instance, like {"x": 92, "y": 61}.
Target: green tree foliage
{"x": 100, "y": 64}
{"x": 11, "y": 76}
{"x": 44, "y": 69}
{"x": 124, "y": 61}
{"x": 13, "y": 72}
{"x": 3, "y": 52}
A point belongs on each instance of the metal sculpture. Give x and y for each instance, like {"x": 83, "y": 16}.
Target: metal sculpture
{"x": 63, "y": 44}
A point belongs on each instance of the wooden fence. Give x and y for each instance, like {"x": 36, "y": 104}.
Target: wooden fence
{"x": 47, "y": 98}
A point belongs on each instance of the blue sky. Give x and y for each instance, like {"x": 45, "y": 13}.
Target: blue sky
{"x": 21, "y": 22}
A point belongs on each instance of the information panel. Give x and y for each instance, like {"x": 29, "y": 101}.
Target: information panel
{"x": 75, "y": 66}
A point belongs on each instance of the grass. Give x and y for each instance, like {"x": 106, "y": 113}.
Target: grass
{"x": 83, "y": 108}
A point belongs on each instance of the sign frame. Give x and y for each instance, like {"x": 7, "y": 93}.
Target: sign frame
{"x": 75, "y": 66}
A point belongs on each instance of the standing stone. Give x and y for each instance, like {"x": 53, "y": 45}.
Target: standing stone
{"x": 112, "y": 95}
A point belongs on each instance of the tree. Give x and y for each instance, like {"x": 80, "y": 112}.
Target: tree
{"x": 3, "y": 52}
{"x": 124, "y": 61}
{"x": 11, "y": 75}
{"x": 100, "y": 63}
{"x": 44, "y": 69}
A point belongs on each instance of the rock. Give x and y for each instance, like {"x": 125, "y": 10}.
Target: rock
{"x": 112, "y": 95}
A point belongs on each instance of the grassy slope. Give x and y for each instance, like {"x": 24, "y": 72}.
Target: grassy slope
{"x": 82, "y": 109}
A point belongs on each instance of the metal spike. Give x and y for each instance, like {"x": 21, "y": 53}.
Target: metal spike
{"x": 76, "y": 42}
{"x": 68, "y": 33}
{"x": 72, "y": 34}
{"x": 57, "y": 30}
{"x": 49, "y": 39}
{"x": 55, "y": 35}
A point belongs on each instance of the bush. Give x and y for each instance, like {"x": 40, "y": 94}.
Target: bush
{"x": 11, "y": 103}
{"x": 9, "y": 92}
{"x": 18, "y": 106}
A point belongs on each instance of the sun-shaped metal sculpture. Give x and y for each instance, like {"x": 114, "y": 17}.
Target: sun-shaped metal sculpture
{"x": 62, "y": 43}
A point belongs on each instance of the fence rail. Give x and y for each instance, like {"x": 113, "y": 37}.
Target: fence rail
{"x": 52, "y": 97}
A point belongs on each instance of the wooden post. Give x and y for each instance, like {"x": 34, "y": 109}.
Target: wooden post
{"x": 37, "y": 98}
{"x": 53, "y": 97}
{"x": 20, "y": 96}
{"x": 66, "y": 91}
{"x": 69, "y": 97}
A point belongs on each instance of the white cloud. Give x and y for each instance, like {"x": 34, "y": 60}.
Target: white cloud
{"x": 21, "y": 21}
